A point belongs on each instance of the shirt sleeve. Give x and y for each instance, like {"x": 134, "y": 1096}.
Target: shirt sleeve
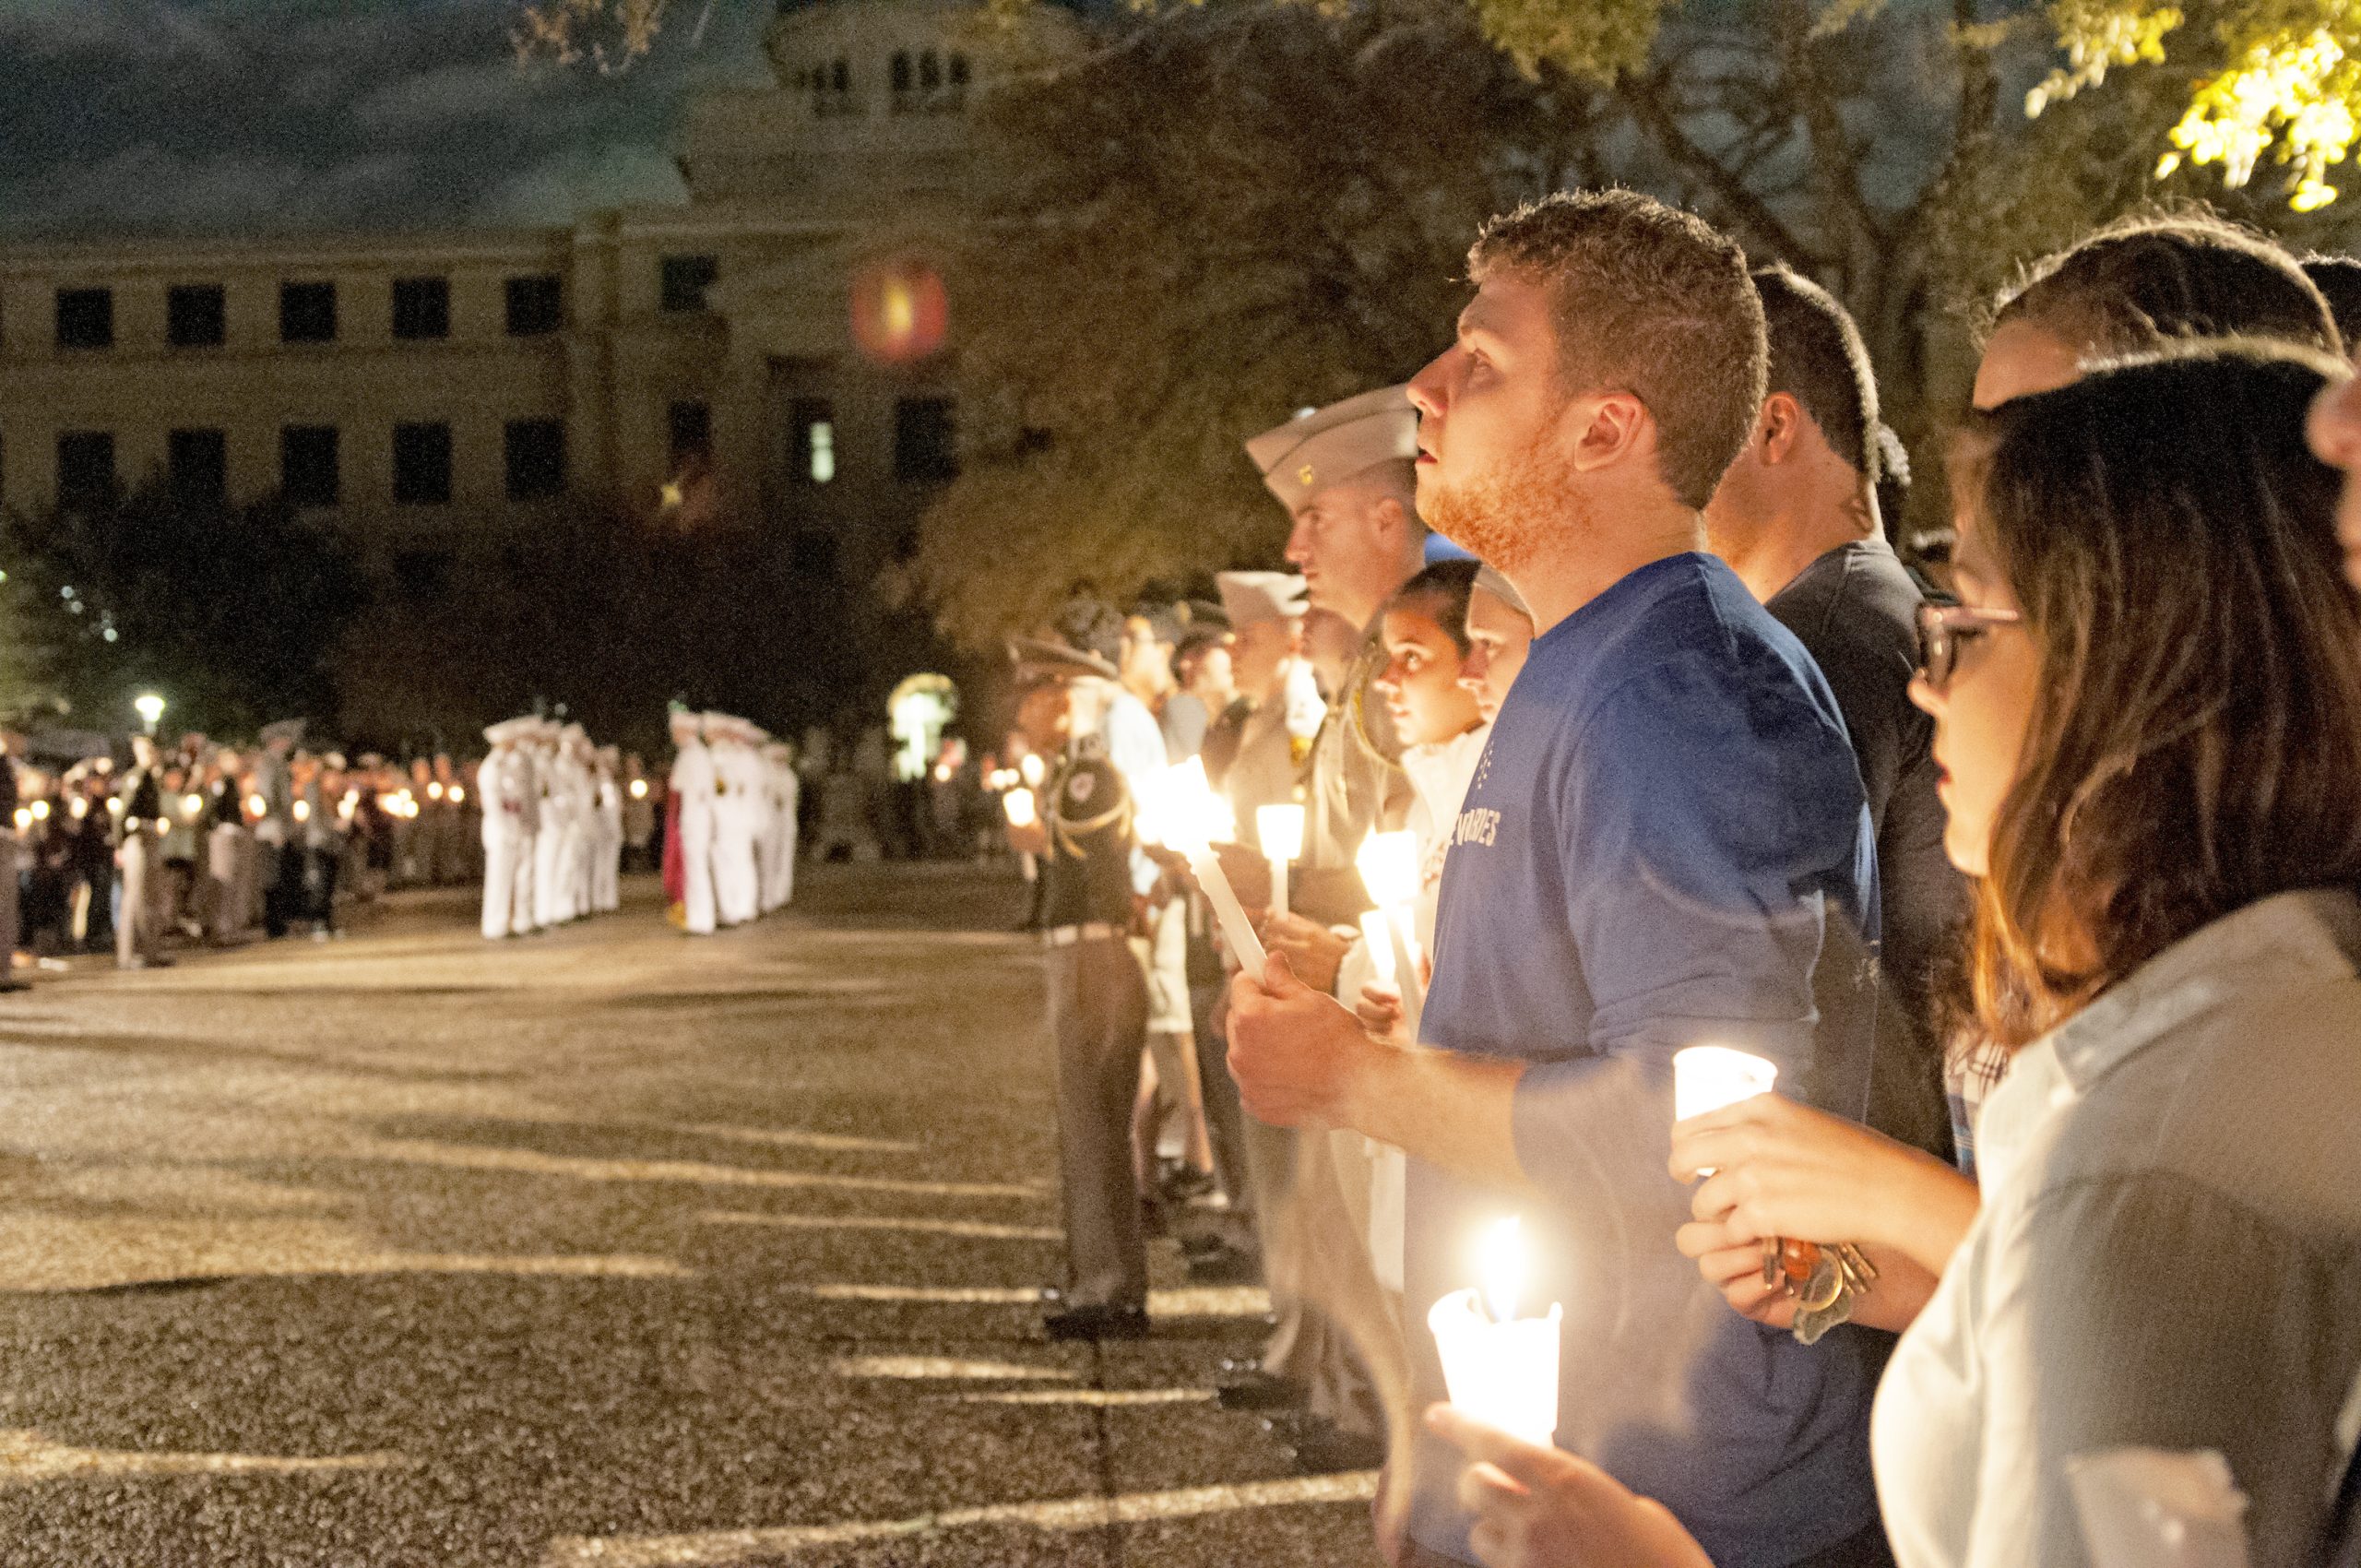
{"x": 1710, "y": 824}
{"x": 2151, "y": 1310}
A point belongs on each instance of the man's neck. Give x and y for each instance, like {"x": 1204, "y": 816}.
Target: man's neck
{"x": 1776, "y": 554}
{"x": 1572, "y": 571}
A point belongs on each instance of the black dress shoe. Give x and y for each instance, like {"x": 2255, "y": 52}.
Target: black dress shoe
{"x": 1259, "y": 1392}
{"x": 1104, "y": 1322}
{"x": 1321, "y": 1449}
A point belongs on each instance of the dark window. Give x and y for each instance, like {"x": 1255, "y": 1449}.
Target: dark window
{"x": 307, "y": 465}
{"x": 196, "y": 465}
{"x": 840, "y": 76}
{"x": 85, "y": 468}
{"x": 958, "y": 70}
{"x": 422, "y": 307}
{"x": 692, "y": 430}
{"x": 536, "y": 305}
{"x": 930, "y": 71}
{"x": 535, "y": 453}
{"x": 925, "y": 445}
{"x": 195, "y": 316}
{"x": 422, "y": 465}
{"x": 902, "y": 72}
{"x": 307, "y": 312}
{"x": 86, "y": 318}
{"x": 685, "y": 279}
{"x": 813, "y": 460}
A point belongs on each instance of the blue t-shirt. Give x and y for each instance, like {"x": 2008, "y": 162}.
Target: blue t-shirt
{"x": 1666, "y": 843}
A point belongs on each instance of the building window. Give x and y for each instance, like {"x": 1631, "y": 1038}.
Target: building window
{"x": 195, "y": 316}
{"x": 814, "y": 423}
{"x": 307, "y": 465}
{"x": 86, "y": 318}
{"x": 536, "y": 305}
{"x": 691, "y": 429}
{"x": 925, "y": 444}
{"x": 307, "y": 312}
{"x": 686, "y": 278}
{"x": 196, "y": 466}
{"x": 832, "y": 88}
{"x": 422, "y": 465}
{"x": 422, "y": 308}
{"x": 930, "y": 71}
{"x": 534, "y": 451}
{"x": 85, "y": 468}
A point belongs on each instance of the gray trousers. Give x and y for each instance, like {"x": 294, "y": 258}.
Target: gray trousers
{"x": 1098, "y": 1024}
{"x": 137, "y": 922}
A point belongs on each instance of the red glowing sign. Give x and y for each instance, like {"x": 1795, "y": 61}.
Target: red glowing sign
{"x": 899, "y": 311}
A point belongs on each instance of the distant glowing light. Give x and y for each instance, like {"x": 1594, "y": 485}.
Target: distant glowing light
{"x": 900, "y": 311}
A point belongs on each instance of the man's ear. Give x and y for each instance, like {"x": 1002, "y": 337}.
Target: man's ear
{"x": 1612, "y": 427}
{"x": 1779, "y": 426}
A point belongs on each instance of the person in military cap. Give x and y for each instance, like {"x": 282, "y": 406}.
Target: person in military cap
{"x": 688, "y": 840}
{"x": 139, "y": 828}
{"x": 511, "y": 817}
{"x": 1097, "y": 993}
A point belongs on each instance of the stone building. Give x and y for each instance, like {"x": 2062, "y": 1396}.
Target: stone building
{"x": 775, "y": 346}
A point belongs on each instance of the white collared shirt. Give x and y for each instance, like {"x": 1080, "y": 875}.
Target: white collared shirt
{"x": 2168, "y": 1253}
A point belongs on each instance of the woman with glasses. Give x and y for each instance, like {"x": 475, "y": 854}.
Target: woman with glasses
{"x": 2148, "y": 709}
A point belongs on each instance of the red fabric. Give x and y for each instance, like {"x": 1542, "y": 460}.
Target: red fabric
{"x": 676, "y": 871}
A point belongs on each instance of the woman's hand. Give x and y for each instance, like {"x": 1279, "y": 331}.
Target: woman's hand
{"x": 1781, "y": 1169}
{"x": 1544, "y": 1508}
{"x": 1314, "y": 952}
{"x": 1735, "y": 1268}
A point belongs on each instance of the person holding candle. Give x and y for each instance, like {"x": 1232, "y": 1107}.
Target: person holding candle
{"x": 1666, "y": 843}
{"x": 2150, "y": 569}
{"x": 1097, "y": 991}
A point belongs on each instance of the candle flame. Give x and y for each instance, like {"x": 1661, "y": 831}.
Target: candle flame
{"x": 1503, "y": 1268}
{"x": 1389, "y": 866}
{"x": 1031, "y": 769}
{"x": 639, "y": 789}
{"x": 1281, "y": 831}
{"x": 1019, "y": 805}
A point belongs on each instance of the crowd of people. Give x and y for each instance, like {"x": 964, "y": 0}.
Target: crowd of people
{"x": 2032, "y": 865}
{"x": 730, "y": 822}
{"x": 558, "y": 813}
{"x": 200, "y": 843}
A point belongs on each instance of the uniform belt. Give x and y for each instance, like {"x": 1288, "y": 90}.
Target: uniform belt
{"x": 1089, "y": 931}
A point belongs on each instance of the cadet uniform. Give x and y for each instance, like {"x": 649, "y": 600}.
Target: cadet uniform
{"x": 693, "y": 788}
{"x": 511, "y": 817}
{"x": 1349, "y": 784}
{"x": 1098, "y": 1004}
{"x": 139, "y": 833}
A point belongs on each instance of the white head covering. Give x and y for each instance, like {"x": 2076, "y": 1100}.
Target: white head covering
{"x": 1249, "y": 597}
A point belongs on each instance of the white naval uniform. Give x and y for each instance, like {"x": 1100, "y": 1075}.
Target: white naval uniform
{"x": 692, "y": 782}
{"x": 736, "y": 889}
{"x": 511, "y": 817}
{"x": 554, "y": 847}
{"x": 606, "y": 870}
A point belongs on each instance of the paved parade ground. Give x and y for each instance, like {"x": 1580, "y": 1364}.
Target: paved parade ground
{"x": 603, "y": 1247}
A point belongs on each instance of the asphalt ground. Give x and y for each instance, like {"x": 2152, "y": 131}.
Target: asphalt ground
{"x": 608, "y": 1246}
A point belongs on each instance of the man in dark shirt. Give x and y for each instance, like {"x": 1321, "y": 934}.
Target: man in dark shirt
{"x": 1664, "y": 844}
{"x": 1097, "y": 994}
{"x": 1797, "y": 518}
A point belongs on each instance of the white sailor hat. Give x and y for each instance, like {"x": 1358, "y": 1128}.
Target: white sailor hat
{"x": 1250, "y": 598}
{"x": 1313, "y": 451}
{"x": 509, "y": 730}
{"x": 1489, "y": 579}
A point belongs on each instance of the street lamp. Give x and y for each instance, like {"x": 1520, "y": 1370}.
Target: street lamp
{"x": 151, "y": 708}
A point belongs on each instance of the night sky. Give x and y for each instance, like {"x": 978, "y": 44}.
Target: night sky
{"x": 247, "y": 116}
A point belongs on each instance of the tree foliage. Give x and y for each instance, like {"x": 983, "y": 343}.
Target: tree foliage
{"x": 226, "y": 612}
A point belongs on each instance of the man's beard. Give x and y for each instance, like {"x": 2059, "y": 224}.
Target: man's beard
{"x": 1507, "y": 517}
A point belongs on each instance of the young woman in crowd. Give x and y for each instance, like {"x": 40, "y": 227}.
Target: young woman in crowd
{"x": 1499, "y": 634}
{"x": 2148, "y": 706}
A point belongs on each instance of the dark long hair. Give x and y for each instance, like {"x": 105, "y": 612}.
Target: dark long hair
{"x": 2195, "y": 743}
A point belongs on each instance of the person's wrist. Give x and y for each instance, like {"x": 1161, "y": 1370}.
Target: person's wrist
{"x": 1362, "y": 1092}
{"x": 1919, "y": 1213}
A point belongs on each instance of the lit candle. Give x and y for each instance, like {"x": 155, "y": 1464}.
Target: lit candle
{"x": 40, "y": 811}
{"x": 638, "y": 789}
{"x": 1281, "y": 830}
{"x": 192, "y": 803}
{"x": 256, "y": 804}
{"x": 1499, "y": 1368}
{"x": 434, "y": 790}
{"x": 1389, "y": 866}
{"x": 302, "y": 811}
{"x": 1189, "y": 817}
{"x": 1707, "y": 1077}
{"x": 1019, "y": 804}
{"x": 1378, "y": 938}
{"x": 1032, "y": 770}
{"x": 457, "y": 794}
{"x": 24, "y": 818}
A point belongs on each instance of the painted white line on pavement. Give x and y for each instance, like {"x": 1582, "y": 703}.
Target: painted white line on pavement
{"x": 974, "y": 1227}
{"x": 792, "y": 1137}
{"x": 1094, "y": 1398}
{"x": 1211, "y": 1301}
{"x": 942, "y": 1367}
{"x": 532, "y": 1162}
{"x": 717, "y": 1547}
{"x": 26, "y": 1457}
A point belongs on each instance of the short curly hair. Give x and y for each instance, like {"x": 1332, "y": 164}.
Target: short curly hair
{"x": 1648, "y": 300}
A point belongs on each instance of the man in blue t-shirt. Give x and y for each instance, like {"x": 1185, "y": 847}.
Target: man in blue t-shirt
{"x": 1664, "y": 844}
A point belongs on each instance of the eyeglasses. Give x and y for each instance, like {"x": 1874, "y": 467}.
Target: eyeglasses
{"x": 1944, "y": 629}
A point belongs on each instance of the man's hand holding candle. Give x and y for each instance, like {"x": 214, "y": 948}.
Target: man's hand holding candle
{"x": 1314, "y": 952}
